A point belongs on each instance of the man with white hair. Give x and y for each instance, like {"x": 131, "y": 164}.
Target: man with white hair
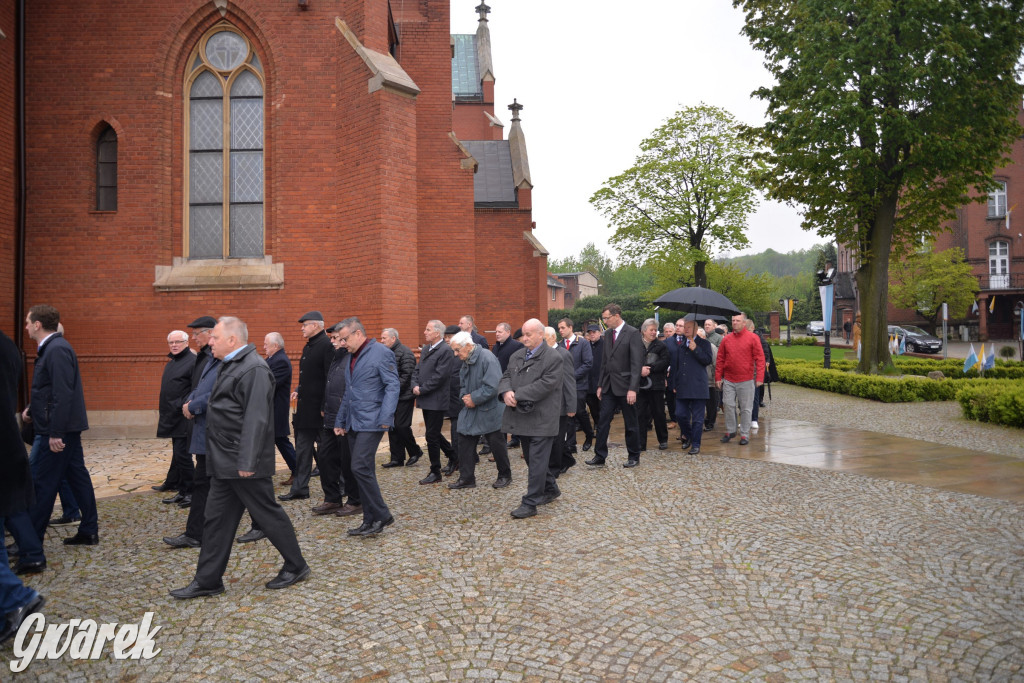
{"x": 281, "y": 366}
{"x": 481, "y": 412}
{"x": 531, "y": 389}
{"x": 431, "y": 384}
{"x": 241, "y": 461}
{"x": 400, "y": 439}
{"x": 175, "y": 386}
{"x": 739, "y": 369}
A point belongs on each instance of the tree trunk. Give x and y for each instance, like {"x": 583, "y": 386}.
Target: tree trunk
{"x": 873, "y": 283}
{"x": 700, "y": 278}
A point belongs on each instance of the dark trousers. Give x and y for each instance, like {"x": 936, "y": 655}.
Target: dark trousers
{"x": 562, "y": 448}
{"x": 579, "y": 422}
{"x": 329, "y": 461}
{"x": 13, "y": 593}
{"x": 181, "y": 472}
{"x": 758, "y": 400}
{"x": 400, "y": 438}
{"x": 609, "y": 402}
{"x": 456, "y": 438}
{"x": 284, "y": 446}
{"x": 228, "y": 499}
{"x": 200, "y": 492}
{"x": 433, "y": 420}
{"x": 540, "y": 481}
{"x": 30, "y": 547}
{"x": 467, "y": 455}
{"x": 711, "y": 411}
{"x": 594, "y": 406}
{"x": 690, "y": 413}
{"x": 670, "y": 404}
{"x": 68, "y": 504}
{"x": 307, "y": 443}
{"x": 47, "y": 471}
{"x": 651, "y": 406}
{"x": 364, "y": 450}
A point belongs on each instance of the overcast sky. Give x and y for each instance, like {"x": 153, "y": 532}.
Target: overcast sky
{"x": 595, "y": 78}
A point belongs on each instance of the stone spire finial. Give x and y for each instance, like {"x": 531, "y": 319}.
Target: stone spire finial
{"x": 483, "y": 10}
{"x": 515, "y": 108}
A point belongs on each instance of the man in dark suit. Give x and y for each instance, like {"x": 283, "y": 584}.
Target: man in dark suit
{"x": 240, "y": 445}
{"x": 400, "y": 439}
{"x": 281, "y": 366}
{"x": 58, "y": 413}
{"x": 467, "y": 324}
{"x": 532, "y": 390}
{"x": 431, "y": 384}
{"x": 504, "y": 347}
{"x": 623, "y": 358}
{"x": 175, "y": 385}
{"x": 582, "y": 360}
{"x": 596, "y": 341}
{"x": 309, "y": 419}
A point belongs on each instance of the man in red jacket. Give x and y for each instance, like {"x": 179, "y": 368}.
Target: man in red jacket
{"x": 738, "y": 370}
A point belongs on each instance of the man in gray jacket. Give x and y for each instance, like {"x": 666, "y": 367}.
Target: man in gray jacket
{"x": 481, "y": 411}
{"x": 531, "y": 389}
{"x": 240, "y": 453}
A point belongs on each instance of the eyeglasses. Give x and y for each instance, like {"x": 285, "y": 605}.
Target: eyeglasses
{"x": 606, "y": 317}
{"x": 199, "y": 331}
{"x": 178, "y": 341}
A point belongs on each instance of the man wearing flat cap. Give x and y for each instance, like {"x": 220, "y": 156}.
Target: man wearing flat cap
{"x": 309, "y": 418}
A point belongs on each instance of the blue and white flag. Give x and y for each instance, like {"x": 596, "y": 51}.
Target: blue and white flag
{"x": 990, "y": 359}
{"x": 972, "y": 359}
{"x": 826, "y": 305}
{"x": 903, "y": 346}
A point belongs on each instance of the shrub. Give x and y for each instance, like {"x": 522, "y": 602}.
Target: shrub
{"x": 998, "y": 402}
{"x": 796, "y": 341}
{"x": 1007, "y": 352}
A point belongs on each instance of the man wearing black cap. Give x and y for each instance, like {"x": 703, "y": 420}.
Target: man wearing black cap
{"x": 308, "y": 421}
{"x": 431, "y": 384}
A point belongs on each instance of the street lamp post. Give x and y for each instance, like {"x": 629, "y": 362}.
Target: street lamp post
{"x": 825, "y": 278}
{"x": 787, "y": 308}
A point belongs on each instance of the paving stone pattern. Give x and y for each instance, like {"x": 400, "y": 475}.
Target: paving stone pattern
{"x": 686, "y": 568}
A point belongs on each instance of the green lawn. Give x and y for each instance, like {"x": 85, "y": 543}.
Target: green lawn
{"x": 805, "y": 352}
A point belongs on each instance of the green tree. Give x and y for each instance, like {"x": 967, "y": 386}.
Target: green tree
{"x": 883, "y": 118}
{"x": 687, "y": 195}
{"x": 926, "y": 279}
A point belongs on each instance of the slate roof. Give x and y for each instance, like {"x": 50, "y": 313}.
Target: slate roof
{"x": 493, "y": 183}
{"x": 465, "y": 72}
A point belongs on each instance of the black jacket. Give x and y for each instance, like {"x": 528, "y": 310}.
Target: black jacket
{"x": 595, "y": 369}
{"x": 582, "y": 361}
{"x": 203, "y": 356}
{"x": 16, "y": 491}
{"x": 239, "y": 418}
{"x": 281, "y": 366}
{"x": 434, "y": 376}
{"x": 335, "y": 390}
{"x": 175, "y": 386}
{"x": 316, "y": 360}
{"x": 620, "y": 366}
{"x": 657, "y": 357}
{"x": 406, "y": 361}
{"x": 58, "y": 402}
{"x": 504, "y": 351}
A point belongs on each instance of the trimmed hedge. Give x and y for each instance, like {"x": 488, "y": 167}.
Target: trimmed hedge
{"x": 998, "y": 402}
{"x": 875, "y": 387}
{"x": 952, "y": 368}
{"x": 796, "y": 341}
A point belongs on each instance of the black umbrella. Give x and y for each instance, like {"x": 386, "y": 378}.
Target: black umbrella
{"x": 699, "y": 300}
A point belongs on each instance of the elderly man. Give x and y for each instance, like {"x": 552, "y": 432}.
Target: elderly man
{"x": 668, "y": 335}
{"x": 739, "y": 368}
{"x": 504, "y": 347}
{"x": 309, "y": 417}
{"x": 431, "y": 384}
{"x": 400, "y": 439}
{"x": 690, "y": 378}
{"x": 281, "y": 366}
{"x": 175, "y": 386}
{"x": 481, "y": 412}
{"x": 651, "y": 397}
{"x": 336, "y": 476}
{"x": 582, "y": 360}
{"x": 467, "y": 324}
{"x": 240, "y": 443}
{"x": 531, "y": 389}
{"x": 621, "y": 363}
{"x": 57, "y": 409}
{"x": 366, "y": 412}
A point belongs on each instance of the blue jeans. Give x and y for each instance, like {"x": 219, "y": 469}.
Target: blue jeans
{"x": 13, "y": 593}
{"x": 68, "y": 504}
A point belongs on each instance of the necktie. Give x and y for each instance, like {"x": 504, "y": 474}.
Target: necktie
{"x": 529, "y": 352}
{"x": 566, "y": 344}
{"x": 615, "y": 335}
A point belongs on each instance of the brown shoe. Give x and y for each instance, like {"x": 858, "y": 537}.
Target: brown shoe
{"x": 288, "y": 481}
{"x": 346, "y": 510}
{"x": 326, "y": 508}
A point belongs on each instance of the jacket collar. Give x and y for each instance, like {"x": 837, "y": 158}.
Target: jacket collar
{"x": 245, "y": 351}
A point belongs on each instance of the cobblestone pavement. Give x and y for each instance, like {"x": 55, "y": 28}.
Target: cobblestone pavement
{"x": 685, "y": 568}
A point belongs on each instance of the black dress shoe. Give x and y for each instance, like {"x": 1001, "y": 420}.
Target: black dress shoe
{"x": 194, "y": 590}
{"x": 183, "y": 541}
{"x": 694, "y": 450}
{"x": 164, "y": 487}
{"x": 358, "y": 531}
{"x": 524, "y": 511}
{"x": 185, "y": 502}
{"x": 514, "y": 443}
{"x": 16, "y": 616}
{"x": 588, "y": 443}
{"x": 251, "y": 536}
{"x": 450, "y": 468}
{"x": 708, "y": 428}
{"x": 631, "y": 463}
{"x": 462, "y": 484}
{"x": 663, "y": 446}
{"x": 293, "y": 496}
{"x": 501, "y": 482}
{"x": 29, "y": 567}
{"x": 548, "y": 497}
{"x": 177, "y": 498}
{"x": 744, "y": 441}
{"x": 596, "y": 461}
{"x": 82, "y": 539}
{"x": 64, "y": 520}
{"x": 286, "y": 578}
{"x": 727, "y": 438}
{"x": 485, "y": 450}
{"x": 393, "y": 463}
{"x": 413, "y": 459}
{"x": 376, "y": 527}
{"x": 315, "y": 472}
{"x": 431, "y": 478}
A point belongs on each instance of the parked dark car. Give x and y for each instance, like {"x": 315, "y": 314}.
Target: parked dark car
{"x": 917, "y": 340}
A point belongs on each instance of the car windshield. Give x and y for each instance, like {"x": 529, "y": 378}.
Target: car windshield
{"x": 915, "y": 331}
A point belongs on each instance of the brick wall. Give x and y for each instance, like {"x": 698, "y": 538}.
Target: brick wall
{"x": 8, "y": 166}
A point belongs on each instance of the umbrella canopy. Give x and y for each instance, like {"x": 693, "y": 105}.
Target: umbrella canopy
{"x": 699, "y": 300}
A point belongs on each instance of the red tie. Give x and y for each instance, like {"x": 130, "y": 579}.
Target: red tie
{"x": 566, "y": 344}
{"x": 615, "y": 335}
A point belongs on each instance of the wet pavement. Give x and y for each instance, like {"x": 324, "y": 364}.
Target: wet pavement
{"x": 775, "y": 561}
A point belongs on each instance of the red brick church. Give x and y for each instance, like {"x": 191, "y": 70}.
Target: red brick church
{"x": 166, "y": 160}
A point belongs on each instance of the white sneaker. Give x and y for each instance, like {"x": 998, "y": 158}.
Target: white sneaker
{"x": 753, "y": 425}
